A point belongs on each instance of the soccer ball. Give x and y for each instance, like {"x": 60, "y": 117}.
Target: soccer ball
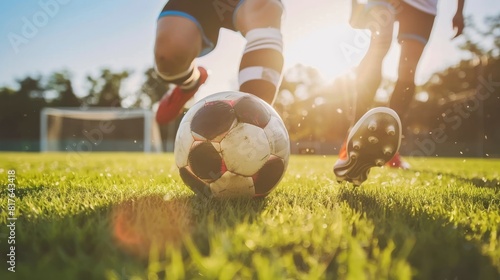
{"x": 232, "y": 144}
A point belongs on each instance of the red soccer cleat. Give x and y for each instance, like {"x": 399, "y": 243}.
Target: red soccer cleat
{"x": 172, "y": 104}
{"x": 373, "y": 141}
{"x": 398, "y": 162}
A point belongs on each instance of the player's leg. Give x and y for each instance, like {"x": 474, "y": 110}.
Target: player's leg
{"x": 179, "y": 40}
{"x": 375, "y": 137}
{"x": 262, "y": 61}
{"x": 369, "y": 72}
{"x": 414, "y": 31}
{"x": 178, "y": 43}
{"x": 404, "y": 90}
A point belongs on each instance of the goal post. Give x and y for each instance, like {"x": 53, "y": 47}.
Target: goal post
{"x": 99, "y": 129}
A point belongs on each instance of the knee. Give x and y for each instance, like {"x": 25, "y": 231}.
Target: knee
{"x": 171, "y": 57}
{"x": 259, "y": 14}
{"x": 268, "y": 8}
{"x": 178, "y": 42}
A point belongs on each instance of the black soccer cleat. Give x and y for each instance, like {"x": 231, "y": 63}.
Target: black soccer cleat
{"x": 373, "y": 141}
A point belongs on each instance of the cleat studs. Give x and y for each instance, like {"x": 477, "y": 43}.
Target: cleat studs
{"x": 380, "y": 162}
{"x": 390, "y": 130}
{"x": 388, "y": 151}
{"x": 356, "y": 145}
{"x": 372, "y": 126}
{"x": 353, "y": 155}
{"x": 373, "y": 139}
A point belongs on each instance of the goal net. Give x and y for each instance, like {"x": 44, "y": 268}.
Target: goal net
{"x": 98, "y": 129}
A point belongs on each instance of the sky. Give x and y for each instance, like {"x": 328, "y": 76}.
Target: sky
{"x": 84, "y": 36}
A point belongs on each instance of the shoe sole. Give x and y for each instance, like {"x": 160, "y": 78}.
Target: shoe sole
{"x": 373, "y": 141}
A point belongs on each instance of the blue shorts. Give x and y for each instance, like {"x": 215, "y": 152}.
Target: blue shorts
{"x": 209, "y": 16}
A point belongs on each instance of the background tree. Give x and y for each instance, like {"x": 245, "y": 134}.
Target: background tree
{"x": 20, "y": 113}
{"x": 60, "y": 82}
{"x": 105, "y": 89}
{"x": 151, "y": 91}
{"x": 464, "y": 99}
{"x": 154, "y": 87}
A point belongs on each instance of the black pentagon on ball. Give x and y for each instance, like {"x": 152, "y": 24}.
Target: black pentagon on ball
{"x": 197, "y": 185}
{"x": 205, "y": 162}
{"x": 250, "y": 110}
{"x": 213, "y": 119}
{"x": 268, "y": 176}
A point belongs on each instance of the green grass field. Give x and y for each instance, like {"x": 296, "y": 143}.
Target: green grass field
{"x": 129, "y": 216}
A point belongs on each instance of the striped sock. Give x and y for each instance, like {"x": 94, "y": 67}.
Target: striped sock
{"x": 262, "y": 63}
{"x": 186, "y": 80}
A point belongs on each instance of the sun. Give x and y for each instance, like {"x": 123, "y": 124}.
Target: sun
{"x": 318, "y": 36}
{"x": 322, "y": 49}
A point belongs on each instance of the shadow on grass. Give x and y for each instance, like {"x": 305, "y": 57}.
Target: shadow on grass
{"x": 441, "y": 250}
{"x": 61, "y": 247}
{"x": 475, "y": 181}
{"x": 118, "y": 238}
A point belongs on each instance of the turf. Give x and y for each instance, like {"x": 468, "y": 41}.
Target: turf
{"x": 129, "y": 216}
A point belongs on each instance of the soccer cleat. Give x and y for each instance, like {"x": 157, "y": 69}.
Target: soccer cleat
{"x": 172, "y": 104}
{"x": 373, "y": 141}
{"x": 398, "y": 162}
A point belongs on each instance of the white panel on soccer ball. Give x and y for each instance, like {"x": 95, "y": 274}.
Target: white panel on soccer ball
{"x": 183, "y": 142}
{"x": 245, "y": 149}
{"x": 233, "y": 185}
{"x": 278, "y": 138}
{"x": 225, "y": 95}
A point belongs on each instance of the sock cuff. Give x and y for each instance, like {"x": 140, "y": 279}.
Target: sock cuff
{"x": 179, "y": 78}
{"x": 264, "y": 38}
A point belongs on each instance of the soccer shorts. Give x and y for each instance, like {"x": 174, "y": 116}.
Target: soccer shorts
{"x": 413, "y": 23}
{"x": 209, "y": 16}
